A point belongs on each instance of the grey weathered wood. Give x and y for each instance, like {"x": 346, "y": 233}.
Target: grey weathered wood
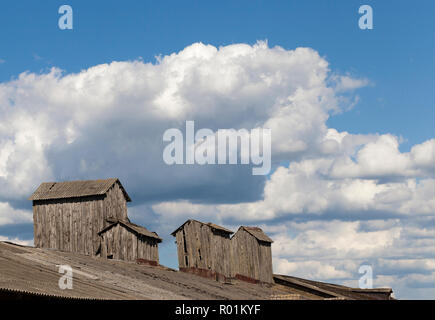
{"x": 72, "y": 224}
{"x": 250, "y": 257}
{"x": 204, "y": 247}
{"x": 124, "y": 244}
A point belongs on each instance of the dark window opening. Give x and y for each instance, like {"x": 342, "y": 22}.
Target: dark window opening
{"x": 199, "y": 252}
{"x": 186, "y": 260}
{"x": 110, "y": 256}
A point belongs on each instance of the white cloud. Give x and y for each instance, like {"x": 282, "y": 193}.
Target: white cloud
{"x": 348, "y": 83}
{"x": 9, "y": 215}
{"x": 17, "y": 241}
{"x": 108, "y": 120}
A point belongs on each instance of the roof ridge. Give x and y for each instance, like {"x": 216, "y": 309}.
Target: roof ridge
{"x": 76, "y": 189}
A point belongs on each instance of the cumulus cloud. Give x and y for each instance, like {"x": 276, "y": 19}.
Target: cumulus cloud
{"x": 346, "y": 82}
{"x": 92, "y": 123}
{"x": 109, "y": 120}
{"x": 9, "y": 215}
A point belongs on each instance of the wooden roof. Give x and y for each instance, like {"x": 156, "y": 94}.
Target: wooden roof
{"x": 257, "y": 233}
{"x": 209, "y": 224}
{"x": 34, "y": 271}
{"x": 132, "y": 227}
{"x": 332, "y": 291}
{"x": 75, "y": 189}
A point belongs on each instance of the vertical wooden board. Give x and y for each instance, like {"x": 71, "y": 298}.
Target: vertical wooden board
{"x": 190, "y": 243}
{"x": 84, "y": 222}
{"x": 59, "y": 219}
{"x": 115, "y": 242}
{"x": 133, "y": 247}
{"x": 52, "y": 227}
{"x": 128, "y": 244}
{"x": 95, "y": 225}
{"x": 119, "y": 242}
{"x": 103, "y": 246}
{"x": 146, "y": 247}
{"x": 141, "y": 248}
{"x": 103, "y": 210}
{"x": 123, "y": 242}
{"x": 107, "y": 202}
{"x": 68, "y": 225}
{"x": 109, "y": 237}
{"x": 79, "y": 226}
{"x": 35, "y": 226}
{"x": 72, "y": 228}
{"x": 99, "y": 215}
{"x": 46, "y": 226}
{"x": 77, "y": 219}
{"x": 180, "y": 248}
{"x": 87, "y": 232}
{"x": 90, "y": 228}
{"x": 41, "y": 224}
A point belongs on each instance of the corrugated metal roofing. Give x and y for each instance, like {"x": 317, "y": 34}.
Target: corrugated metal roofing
{"x": 134, "y": 227}
{"x": 75, "y": 189}
{"x": 209, "y": 224}
{"x": 36, "y": 270}
{"x": 257, "y": 233}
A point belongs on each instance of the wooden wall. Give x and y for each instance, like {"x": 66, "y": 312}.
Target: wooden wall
{"x": 251, "y": 258}
{"x": 203, "y": 248}
{"x": 73, "y": 224}
{"x": 122, "y": 244}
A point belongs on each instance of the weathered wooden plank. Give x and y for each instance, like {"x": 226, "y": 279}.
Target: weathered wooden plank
{"x": 133, "y": 247}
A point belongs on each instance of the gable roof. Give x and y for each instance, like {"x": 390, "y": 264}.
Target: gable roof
{"x": 75, "y": 189}
{"x": 209, "y": 224}
{"x": 257, "y": 233}
{"x": 132, "y": 227}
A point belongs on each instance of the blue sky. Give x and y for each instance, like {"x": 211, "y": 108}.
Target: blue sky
{"x": 395, "y": 61}
{"x": 397, "y": 55}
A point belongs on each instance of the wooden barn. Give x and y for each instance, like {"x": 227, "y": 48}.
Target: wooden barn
{"x": 251, "y": 255}
{"x": 67, "y": 216}
{"x": 204, "y": 248}
{"x": 124, "y": 240}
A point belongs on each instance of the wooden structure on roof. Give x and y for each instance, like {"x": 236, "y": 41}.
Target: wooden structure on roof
{"x": 124, "y": 240}
{"x": 204, "y": 248}
{"x": 251, "y": 255}
{"x": 67, "y": 216}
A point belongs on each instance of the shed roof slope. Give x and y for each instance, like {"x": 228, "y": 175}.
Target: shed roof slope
{"x": 134, "y": 227}
{"x": 257, "y": 233}
{"x": 209, "y": 224}
{"x": 75, "y": 189}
